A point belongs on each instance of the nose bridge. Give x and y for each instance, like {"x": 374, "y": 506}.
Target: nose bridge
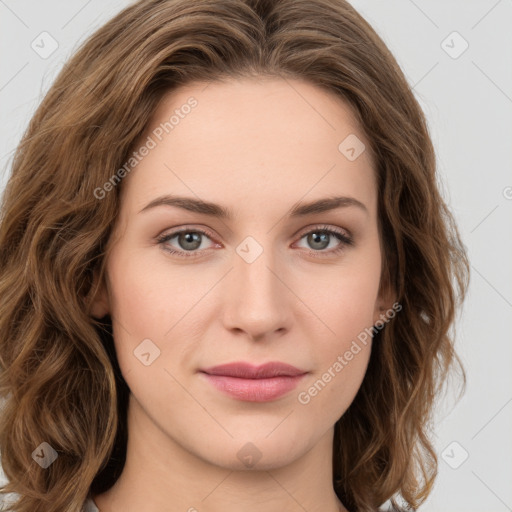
{"x": 256, "y": 298}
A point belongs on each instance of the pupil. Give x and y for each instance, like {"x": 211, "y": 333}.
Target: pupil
{"x": 190, "y": 238}
{"x": 321, "y": 238}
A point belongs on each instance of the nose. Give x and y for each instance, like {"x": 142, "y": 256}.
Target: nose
{"x": 257, "y": 300}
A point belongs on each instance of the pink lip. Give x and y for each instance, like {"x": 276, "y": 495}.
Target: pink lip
{"x": 245, "y": 381}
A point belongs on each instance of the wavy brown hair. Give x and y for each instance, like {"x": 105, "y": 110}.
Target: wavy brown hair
{"x": 60, "y": 380}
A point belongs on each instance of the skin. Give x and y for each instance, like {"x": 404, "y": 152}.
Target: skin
{"x": 257, "y": 147}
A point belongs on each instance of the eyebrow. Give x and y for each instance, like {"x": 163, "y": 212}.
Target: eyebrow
{"x": 216, "y": 210}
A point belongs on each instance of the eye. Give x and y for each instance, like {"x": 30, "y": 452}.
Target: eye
{"x": 190, "y": 241}
{"x": 321, "y": 237}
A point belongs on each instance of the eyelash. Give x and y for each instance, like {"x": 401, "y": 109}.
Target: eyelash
{"x": 342, "y": 237}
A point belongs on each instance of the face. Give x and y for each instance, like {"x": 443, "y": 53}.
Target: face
{"x": 271, "y": 281}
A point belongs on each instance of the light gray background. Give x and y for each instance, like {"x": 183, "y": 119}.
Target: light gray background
{"x": 468, "y": 102}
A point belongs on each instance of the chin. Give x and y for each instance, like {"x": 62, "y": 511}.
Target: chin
{"x": 258, "y": 452}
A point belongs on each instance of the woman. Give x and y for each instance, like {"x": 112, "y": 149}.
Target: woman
{"x": 228, "y": 275}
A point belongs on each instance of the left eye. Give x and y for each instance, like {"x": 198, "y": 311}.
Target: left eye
{"x": 319, "y": 239}
{"x": 189, "y": 241}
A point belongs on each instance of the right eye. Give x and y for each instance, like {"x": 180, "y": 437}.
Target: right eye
{"x": 188, "y": 239}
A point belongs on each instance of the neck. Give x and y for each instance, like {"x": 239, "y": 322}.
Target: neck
{"x": 162, "y": 475}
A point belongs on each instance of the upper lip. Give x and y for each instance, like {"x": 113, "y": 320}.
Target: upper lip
{"x": 249, "y": 371}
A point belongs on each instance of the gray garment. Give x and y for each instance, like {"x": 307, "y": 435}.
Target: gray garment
{"x": 89, "y": 506}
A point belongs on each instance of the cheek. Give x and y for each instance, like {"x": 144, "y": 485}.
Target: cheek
{"x": 328, "y": 394}
{"x": 151, "y": 300}
{"x": 346, "y": 299}
{"x": 146, "y": 297}
{"x": 345, "y": 302}
{"x": 136, "y": 305}
{"x": 342, "y": 355}
{"x": 143, "y": 310}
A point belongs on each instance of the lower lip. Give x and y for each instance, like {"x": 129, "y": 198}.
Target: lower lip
{"x": 254, "y": 390}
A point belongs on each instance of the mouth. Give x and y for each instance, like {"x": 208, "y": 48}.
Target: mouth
{"x": 246, "y": 382}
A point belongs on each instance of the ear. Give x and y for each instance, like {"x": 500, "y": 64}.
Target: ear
{"x": 385, "y": 299}
{"x": 99, "y": 302}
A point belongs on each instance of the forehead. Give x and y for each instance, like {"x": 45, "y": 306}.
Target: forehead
{"x": 256, "y": 140}
{"x": 256, "y": 109}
